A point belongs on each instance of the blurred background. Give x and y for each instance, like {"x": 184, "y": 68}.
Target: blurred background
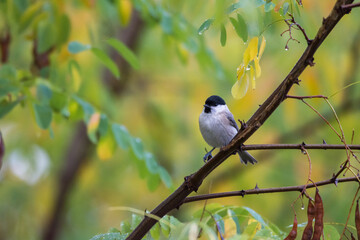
{"x": 59, "y": 178}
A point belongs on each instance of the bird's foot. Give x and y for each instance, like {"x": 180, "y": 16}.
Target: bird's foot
{"x": 207, "y": 156}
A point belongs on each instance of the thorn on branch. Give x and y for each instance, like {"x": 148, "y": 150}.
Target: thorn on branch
{"x": 324, "y": 142}
{"x": 297, "y": 81}
{"x": 242, "y": 193}
{"x": 311, "y": 62}
{"x": 303, "y": 151}
{"x": 243, "y": 124}
{"x": 189, "y": 184}
{"x": 256, "y": 186}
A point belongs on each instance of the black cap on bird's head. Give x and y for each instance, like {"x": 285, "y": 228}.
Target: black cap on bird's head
{"x": 214, "y": 101}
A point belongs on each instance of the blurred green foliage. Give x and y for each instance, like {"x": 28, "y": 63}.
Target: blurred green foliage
{"x": 53, "y": 75}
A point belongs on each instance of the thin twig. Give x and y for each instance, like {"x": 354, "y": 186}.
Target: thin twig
{"x": 305, "y": 97}
{"x": 348, "y": 217}
{"x": 350, "y": 6}
{"x": 242, "y": 193}
{"x": 308, "y": 179}
{"x": 292, "y": 24}
{"x": 327, "y": 122}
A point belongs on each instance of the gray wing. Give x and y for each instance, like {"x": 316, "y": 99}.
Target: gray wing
{"x": 231, "y": 119}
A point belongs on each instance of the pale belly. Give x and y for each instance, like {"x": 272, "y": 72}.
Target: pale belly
{"x": 214, "y": 132}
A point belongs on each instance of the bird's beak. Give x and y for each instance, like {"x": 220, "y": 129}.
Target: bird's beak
{"x": 205, "y": 105}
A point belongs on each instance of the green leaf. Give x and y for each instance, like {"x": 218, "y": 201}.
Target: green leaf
{"x": 251, "y": 229}
{"x": 235, "y": 6}
{"x": 8, "y": 72}
{"x": 125, "y": 227}
{"x": 86, "y": 107}
{"x": 243, "y": 27}
{"x": 110, "y": 236}
{"x": 43, "y": 115}
{"x": 43, "y": 93}
{"x": 220, "y": 223}
{"x": 137, "y": 147}
{"x": 7, "y": 88}
{"x": 151, "y": 163}
{"x": 122, "y": 136}
{"x": 222, "y": 35}
{"x": 76, "y": 47}
{"x": 165, "y": 177}
{"x": 155, "y": 231}
{"x": 135, "y": 220}
{"x": 165, "y": 228}
{"x": 232, "y": 214}
{"x": 256, "y": 216}
{"x": 295, "y": 3}
{"x": 330, "y": 232}
{"x": 6, "y": 107}
{"x": 166, "y": 22}
{"x": 113, "y": 230}
{"x": 103, "y": 125}
{"x": 63, "y": 29}
{"x": 58, "y": 101}
{"x": 153, "y": 181}
{"x": 45, "y": 36}
{"x": 125, "y": 52}
{"x": 28, "y": 16}
{"x": 285, "y": 8}
{"x": 269, "y": 6}
{"x": 107, "y": 61}
{"x": 259, "y": 3}
{"x": 141, "y": 167}
{"x": 205, "y": 26}
{"x": 240, "y": 27}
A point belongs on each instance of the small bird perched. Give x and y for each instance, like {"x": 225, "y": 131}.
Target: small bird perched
{"x": 218, "y": 127}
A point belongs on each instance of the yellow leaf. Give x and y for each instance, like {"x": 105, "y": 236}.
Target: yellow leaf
{"x": 182, "y": 53}
{"x": 256, "y": 229}
{"x": 252, "y": 77}
{"x": 253, "y": 46}
{"x": 76, "y": 77}
{"x": 240, "y": 88}
{"x": 106, "y": 147}
{"x": 246, "y": 58}
{"x": 262, "y": 47}
{"x": 230, "y": 228}
{"x": 124, "y": 8}
{"x": 240, "y": 71}
{"x": 278, "y": 5}
{"x": 93, "y": 122}
{"x": 257, "y": 67}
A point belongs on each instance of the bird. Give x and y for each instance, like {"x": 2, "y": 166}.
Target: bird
{"x": 218, "y": 127}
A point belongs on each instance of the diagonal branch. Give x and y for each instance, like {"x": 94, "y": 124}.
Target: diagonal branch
{"x": 193, "y": 182}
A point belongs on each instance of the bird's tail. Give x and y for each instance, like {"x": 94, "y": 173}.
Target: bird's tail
{"x": 245, "y": 157}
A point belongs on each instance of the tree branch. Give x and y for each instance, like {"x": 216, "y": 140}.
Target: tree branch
{"x": 297, "y": 146}
{"x": 193, "y": 182}
{"x": 242, "y": 193}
